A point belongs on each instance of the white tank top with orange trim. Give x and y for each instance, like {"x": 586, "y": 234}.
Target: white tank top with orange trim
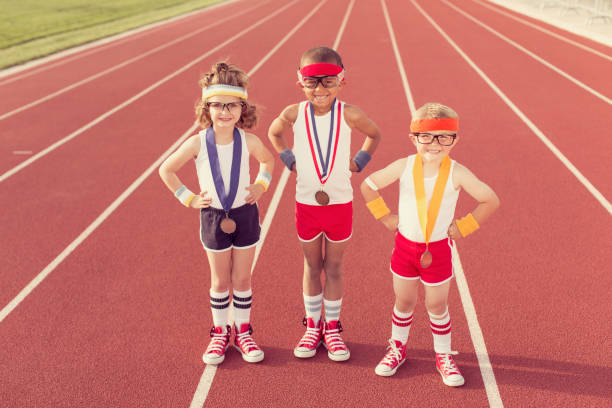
{"x": 225, "y": 153}
{"x": 409, "y": 225}
{"x": 338, "y": 184}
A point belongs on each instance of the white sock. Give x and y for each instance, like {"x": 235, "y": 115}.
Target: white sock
{"x": 441, "y": 331}
{"x": 400, "y": 325}
{"x": 219, "y": 304}
{"x": 312, "y": 305}
{"x": 332, "y": 309}
{"x": 242, "y": 307}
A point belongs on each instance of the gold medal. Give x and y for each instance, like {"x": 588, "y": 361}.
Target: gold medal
{"x": 426, "y": 259}
{"x": 228, "y": 225}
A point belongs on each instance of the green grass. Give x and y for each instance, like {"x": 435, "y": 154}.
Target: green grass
{"x": 34, "y": 28}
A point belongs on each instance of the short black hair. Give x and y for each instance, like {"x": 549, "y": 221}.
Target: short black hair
{"x": 322, "y": 54}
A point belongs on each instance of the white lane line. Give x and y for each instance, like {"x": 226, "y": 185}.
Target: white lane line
{"x": 486, "y": 369}
{"x": 343, "y": 25}
{"x": 546, "y": 31}
{"x": 90, "y": 229}
{"x": 480, "y": 349}
{"x": 583, "y": 180}
{"x": 124, "y": 63}
{"x": 117, "y": 108}
{"x": 208, "y": 375}
{"x": 531, "y": 54}
{"x": 104, "y": 43}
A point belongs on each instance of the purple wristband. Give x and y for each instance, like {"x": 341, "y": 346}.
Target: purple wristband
{"x": 361, "y": 159}
{"x": 288, "y": 158}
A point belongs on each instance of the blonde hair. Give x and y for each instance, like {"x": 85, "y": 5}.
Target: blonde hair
{"x": 434, "y": 110}
{"x": 227, "y": 74}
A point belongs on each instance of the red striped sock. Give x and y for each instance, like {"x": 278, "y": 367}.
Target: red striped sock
{"x": 441, "y": 331}
{"x": 400, "y": 327}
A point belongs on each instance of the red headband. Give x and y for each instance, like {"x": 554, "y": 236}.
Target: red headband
{"x": 320, "y": 68}
{"x": 425, "y": 125}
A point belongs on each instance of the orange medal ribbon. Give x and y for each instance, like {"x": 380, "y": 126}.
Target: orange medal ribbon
{"x": 428, "y": 216}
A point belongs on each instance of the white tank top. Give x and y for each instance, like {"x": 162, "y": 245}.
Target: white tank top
{"x": 225, "y": 162}
{"x": 409, "y": 225}
{"x": 338, "y": 184}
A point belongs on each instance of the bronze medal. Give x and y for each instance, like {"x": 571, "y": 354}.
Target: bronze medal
{"x": 322, "y": 197}
{"x": 426, "y": 259}
{"x": 228, "y": 225}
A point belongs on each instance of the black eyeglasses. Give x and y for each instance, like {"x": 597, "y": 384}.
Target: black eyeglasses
{"x": 328, "y": 81}
{"x": 231, "y": 106}
{"x": 443, "y": 140}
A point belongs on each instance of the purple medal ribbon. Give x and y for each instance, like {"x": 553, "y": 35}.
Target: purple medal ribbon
{"x": 324, "y": 164}
{"x": 213, "y": 157}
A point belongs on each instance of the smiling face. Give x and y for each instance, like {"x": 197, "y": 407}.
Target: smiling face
{"x": 225, "y": 110}
{"x": 433, "y": 151}
{"x": 320, "y": 97}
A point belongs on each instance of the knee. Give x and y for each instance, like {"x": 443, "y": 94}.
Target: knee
{"x": 219, "y": 285}
{"x": 404, "y": 304}
{"x": 332, "y": 268}
{"x": 436, "y": 308}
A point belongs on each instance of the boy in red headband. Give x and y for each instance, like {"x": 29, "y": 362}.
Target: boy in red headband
{"x": 321, "y": 157}
{"x": 429, "y": 187}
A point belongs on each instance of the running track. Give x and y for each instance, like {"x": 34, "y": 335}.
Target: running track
{"x": 104, "y": 291}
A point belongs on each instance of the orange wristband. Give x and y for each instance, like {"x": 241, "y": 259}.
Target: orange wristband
{"x": 378, "y": 208}
{"x": 467, "y": 225}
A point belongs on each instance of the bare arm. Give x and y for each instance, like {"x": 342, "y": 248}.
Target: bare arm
{"x": 488, "y": 201}
{"x": 266, "y": 163}
{"x": 279, "y": 126}
{"x": 357, "y": 119}
{"x": 168, "y": 169}
{"x": 381, "y": 179}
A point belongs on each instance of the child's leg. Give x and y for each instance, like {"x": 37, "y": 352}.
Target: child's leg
{"x": 406, "y": 295}
{"x": 313, "y": 265}
{"x": 436, "y": 301}
{"x": 242, "y": 262}
{"x": 220, "y": 272}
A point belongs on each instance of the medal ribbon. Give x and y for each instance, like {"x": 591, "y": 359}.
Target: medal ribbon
{"x": 215, "y": 169}
{"x": 428, "y": 216}
{"x": 325, "y": 165}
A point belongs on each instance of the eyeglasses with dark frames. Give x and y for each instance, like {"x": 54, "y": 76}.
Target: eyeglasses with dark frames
{"x": 328, "y": 81}
{"x": 443, "y": 140}
{"x": 231, "y": 106}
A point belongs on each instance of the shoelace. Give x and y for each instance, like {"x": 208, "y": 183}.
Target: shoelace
{"x": 448, "y": 364}
{"x": 218, "y": 343}
{"x": 393, "y": 354}
{"x": 333, "y": 339}
{"x": 246, "y": 342}
{"x": 311, "y": 337}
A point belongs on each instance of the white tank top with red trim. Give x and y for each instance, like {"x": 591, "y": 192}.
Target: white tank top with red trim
{"x": 338, "y": 184}
{"x": 409, "y": 225}
{"x": 225, "y": 153}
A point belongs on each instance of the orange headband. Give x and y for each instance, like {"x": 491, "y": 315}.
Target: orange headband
{"x": 425, "y": 125}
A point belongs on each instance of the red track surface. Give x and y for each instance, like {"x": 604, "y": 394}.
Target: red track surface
{"x": 123, "y": 320}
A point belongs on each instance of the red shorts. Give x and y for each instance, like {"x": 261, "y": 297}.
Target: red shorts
{"x": 335, "y": 221}
{"x": 405, "y": 261}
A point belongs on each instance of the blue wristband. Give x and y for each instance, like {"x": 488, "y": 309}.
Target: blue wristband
{"x": 361, "y": 159}
{"x": 287, "y": 157}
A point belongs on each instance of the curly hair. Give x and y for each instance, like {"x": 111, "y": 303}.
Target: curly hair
{"x": 227, "y": 74}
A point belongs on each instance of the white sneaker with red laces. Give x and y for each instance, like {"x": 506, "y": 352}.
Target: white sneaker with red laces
{"x": 310, "y": 341}
{"x": 244, "y": 343}
{"x": 215, "y": 352}
{"x": 395, "y": 357}
{"x": 447, "y": 368}
{"x": 336, "y": 349}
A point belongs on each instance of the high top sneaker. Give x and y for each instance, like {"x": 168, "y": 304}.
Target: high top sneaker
{"x": 447, "y": 368}
{"x": 395, "y": 357}
{"x": 336, "y": 349}
{"x": 307, "y": 346}
{"x": 244, "y": 343}
{"x": 215, "y": 352}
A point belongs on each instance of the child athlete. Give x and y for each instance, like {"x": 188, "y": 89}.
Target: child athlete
{"x": 429, "y": 187}
{"x": 322, "y": 160}
{"x": 229, "y": 218}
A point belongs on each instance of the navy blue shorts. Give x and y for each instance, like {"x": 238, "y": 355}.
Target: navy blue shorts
{"x": 247, "y": 228}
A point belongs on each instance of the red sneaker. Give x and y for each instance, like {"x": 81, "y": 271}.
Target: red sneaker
{"x": 215, "y": 352}
{"x": 307, "y": 346}
{"x": 395, "y": 357}
{"x": 447, "y": 368}
{"x": 244, "y": 343}
{"x": 336, "y": 349}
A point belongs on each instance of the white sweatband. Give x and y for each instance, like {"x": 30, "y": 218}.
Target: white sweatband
{"x": 221, "y": 89}
{"x": 371, "y": 184}
{"x": 264, "y": 179}
{"x": 184, "y": 195}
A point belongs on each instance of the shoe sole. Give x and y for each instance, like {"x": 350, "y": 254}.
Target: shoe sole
{"x": 213, "y": 361}
{"x": 389, "y": 373}
{"x": 306, "y": 354}
{"x": 450, "y": 383}
{"x": 337, "y": 357}
{"x": 250, "y": 359}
